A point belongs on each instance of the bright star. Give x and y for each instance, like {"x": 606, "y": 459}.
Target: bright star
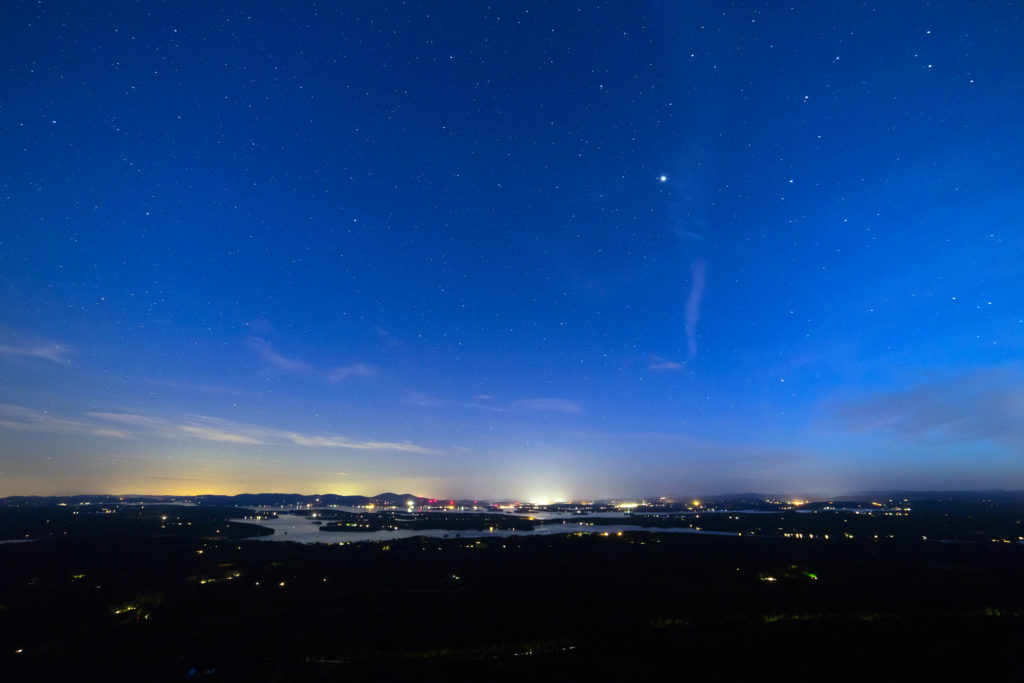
{"x": 663, "y": 178}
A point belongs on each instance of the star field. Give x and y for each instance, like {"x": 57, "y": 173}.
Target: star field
{"x": 527, "y": 250}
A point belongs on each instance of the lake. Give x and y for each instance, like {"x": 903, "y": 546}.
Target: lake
{"x": 303, "y": 530}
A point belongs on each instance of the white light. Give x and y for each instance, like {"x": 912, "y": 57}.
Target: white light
{"x": 663, "y": 178}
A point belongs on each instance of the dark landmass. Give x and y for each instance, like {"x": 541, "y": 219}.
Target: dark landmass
{"x": 880, "y": 589}
{"x": 36, "y": 522}
{"x": 451, "y": 521}
{"x": 998, "y": 496}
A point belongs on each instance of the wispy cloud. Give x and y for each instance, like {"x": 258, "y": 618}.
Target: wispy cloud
{"x": 272, "y": 357}
{"x": 983, "y": 405}
{"x": 425, "y": 401}
{"x": 57, "y": 353}
{"x": 269, "y": 355}
{"x": 213, "y": 434}
{"x": 659, "y": 364}
{"x": 550, "y": 405}
{"x": 698, "y": 279}
{"x": 224, "y": 431}
{"x": 387, "y": 338}
{"x": 28, "y": 419}
{"x": 143, "y": 422}
{"x": 191, "y": 428}
{"x": 487, "y": 403}
{"x": 342, "y": 442}
{"x": 344, "y": 372}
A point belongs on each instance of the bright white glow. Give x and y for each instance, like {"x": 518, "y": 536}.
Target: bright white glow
{"x": 663, "y": 178}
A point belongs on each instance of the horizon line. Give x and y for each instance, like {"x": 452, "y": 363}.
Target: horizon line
{"x": 805, "y": 497}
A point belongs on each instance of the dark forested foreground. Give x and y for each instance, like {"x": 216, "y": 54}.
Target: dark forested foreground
{"x": 170, "y": 593}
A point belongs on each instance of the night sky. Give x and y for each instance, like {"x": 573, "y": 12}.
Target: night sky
{"x": 540, "y": 250}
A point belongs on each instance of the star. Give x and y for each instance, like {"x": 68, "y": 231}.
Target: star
{"x": 662, "y": 178}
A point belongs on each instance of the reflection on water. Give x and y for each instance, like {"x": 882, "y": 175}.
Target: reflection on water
{"x": 304, "y": 530}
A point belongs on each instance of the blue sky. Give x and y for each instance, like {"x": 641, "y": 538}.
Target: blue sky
{"x": 526, "y": 250}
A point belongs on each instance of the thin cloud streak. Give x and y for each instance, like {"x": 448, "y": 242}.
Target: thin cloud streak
{"x": 985, "y": 405}
{"x": 27, "y": 419}
{"x": 344, "y": 372}
{"x": 425, "y": 401}
{"x": 211, "y": 434}
{"x": 191, "y": 428}
{"x": 224, "y": 431}
{"x": 268, "y": 354}
{"x": 550, "y": 405}
{"x": 271, "y": 356}
{"x": 342, "y": 442}
{"x": 659, "y": 364}
{"x": 56, "y": 353}
{"x": 698, "y": 279}
{"x": 544, "y": 405}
